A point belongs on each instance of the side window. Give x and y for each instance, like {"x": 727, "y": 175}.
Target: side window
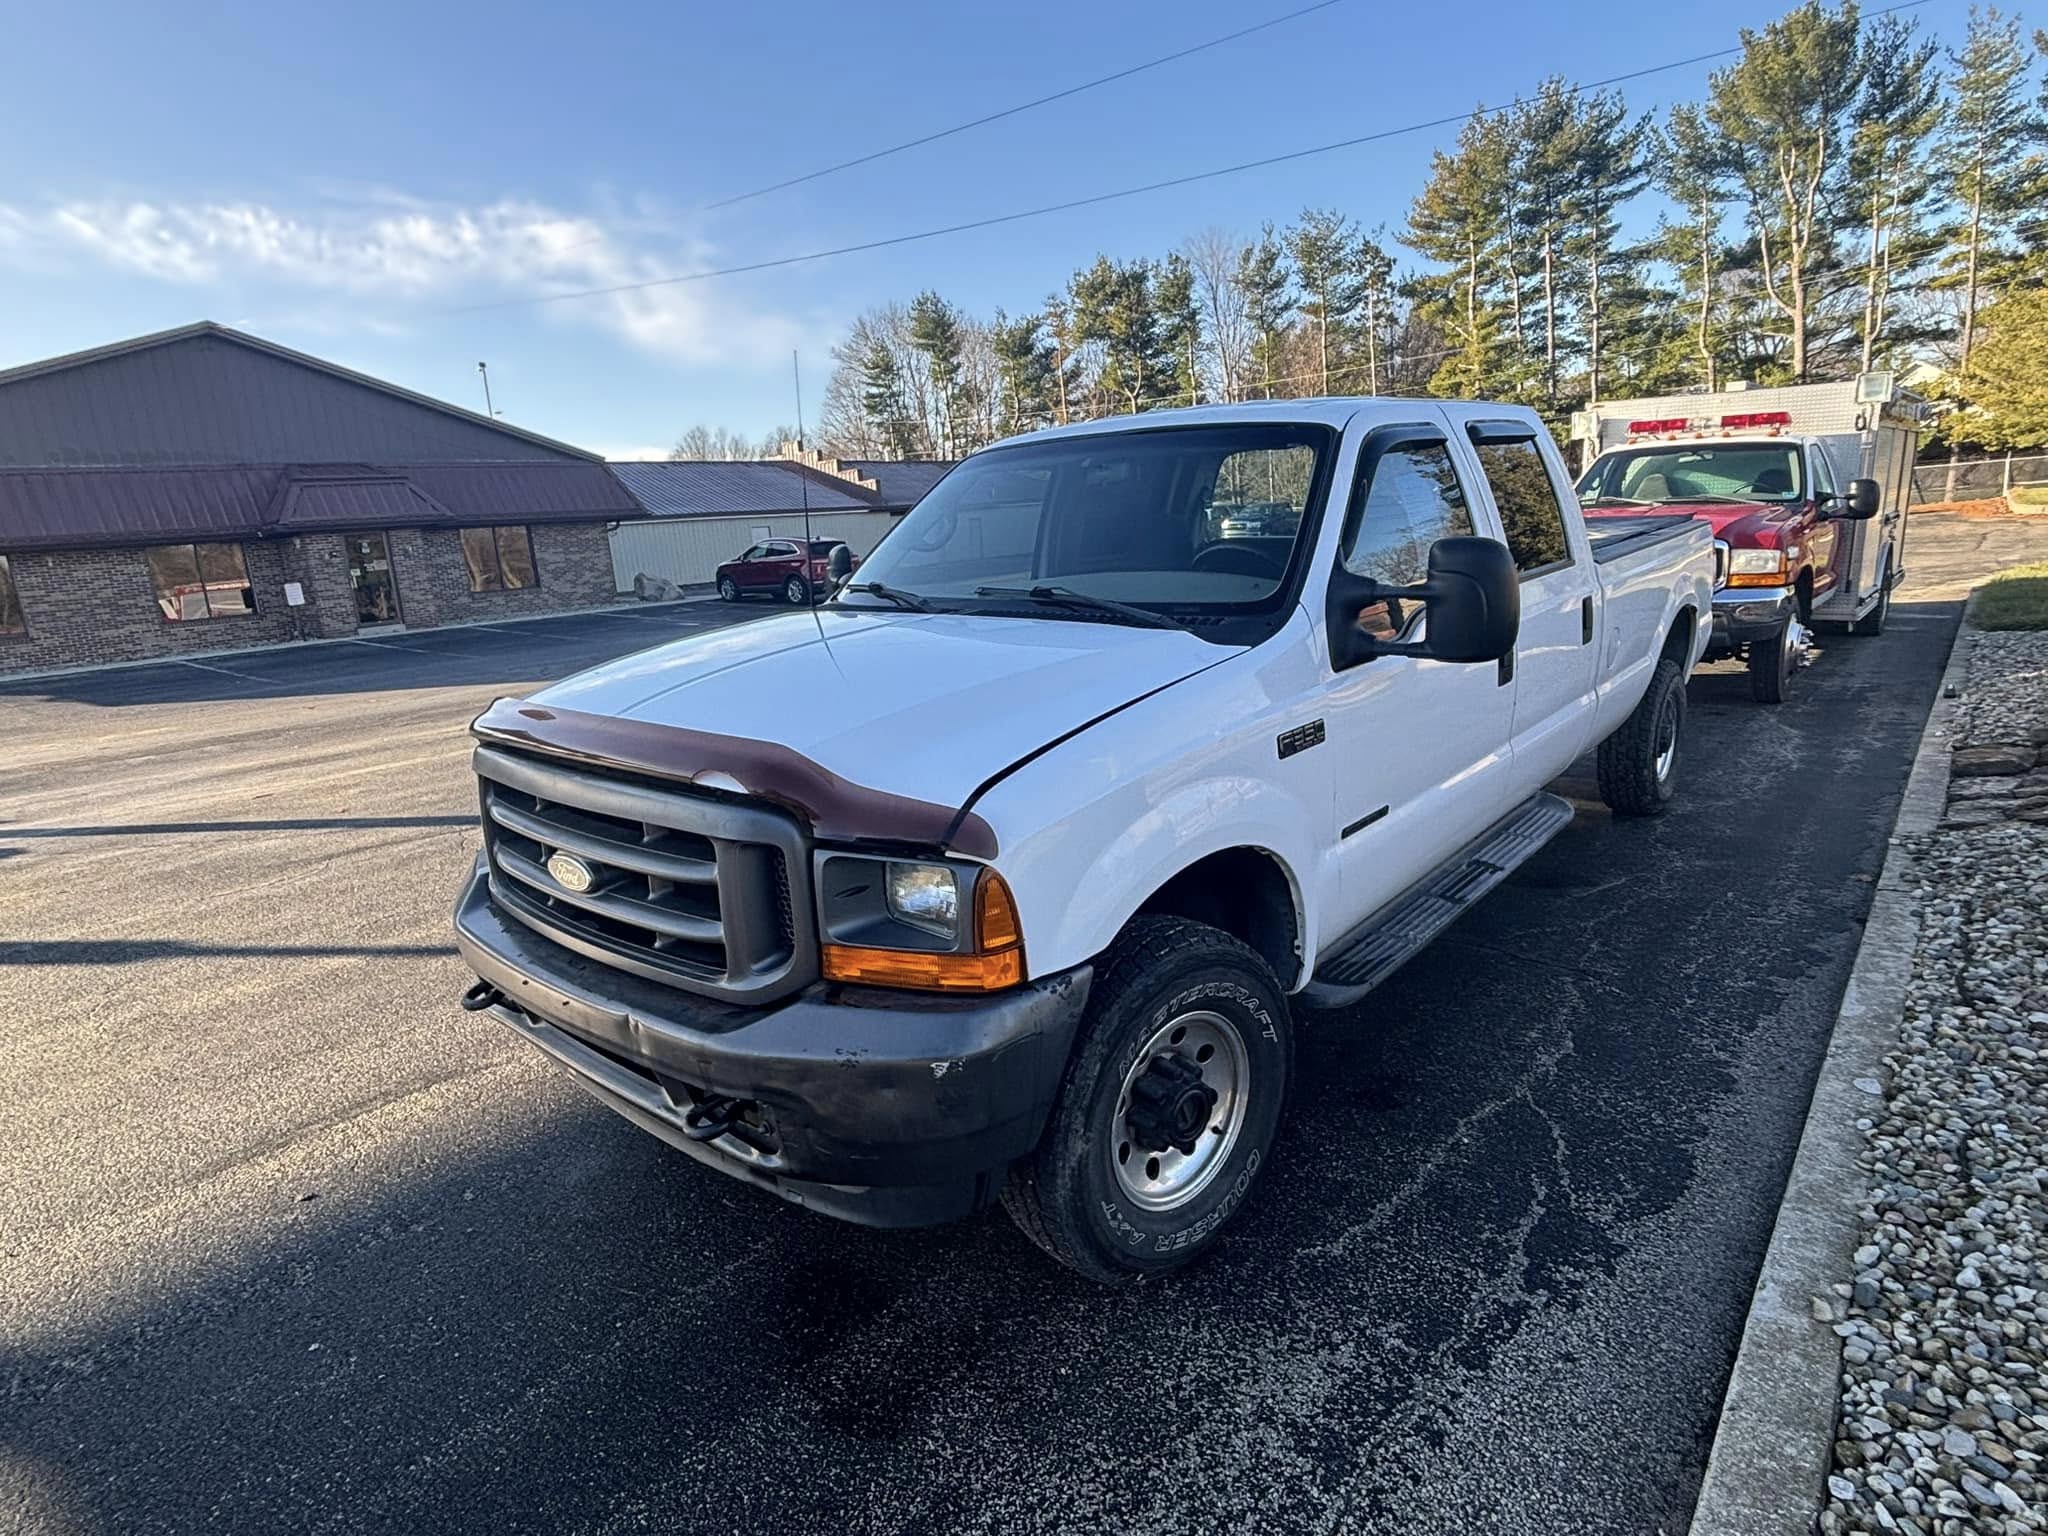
{"x": 1823, "y": 477}
{"x": 1530, "y": 514}
{"x": 1413, "y": 500}
{"x": 755, "y": 552}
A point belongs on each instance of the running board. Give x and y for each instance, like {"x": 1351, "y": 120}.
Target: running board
{"x": 1390, "y": 937}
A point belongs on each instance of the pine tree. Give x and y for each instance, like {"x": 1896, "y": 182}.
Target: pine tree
{"x": 1784, "y": 109}
{"x": 1983, "y": 157}
{"x": 1375, "y": 269}
{"x": 1325, "y": 248}
{"x": 1066, "y": 344}
{"x": 1696, "y": 170}
{"x": 2005, "y": 387}
{"x": 886, "y": 405}
{"x": 1887, "y": 179}
{"x": 1024, "y": 364}
{"x": 936, "y": 333}
{"x": 1267, "y": 286}
{"x": 1607, "y": 169}
{"x": 1180, "y": 326}
{"x": 1115, "y": 308}
{"x": 1456, "y": 221}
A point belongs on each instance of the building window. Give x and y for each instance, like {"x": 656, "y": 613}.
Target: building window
{"x": 499, "y": 559}
{"x": 201, "y": 581}
{"x": 12, "y": 621}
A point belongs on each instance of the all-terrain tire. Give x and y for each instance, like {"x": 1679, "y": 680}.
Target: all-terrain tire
{"x": 1639, "y": 762}
{"x": 1771, "y": 665}
{"x": 1067, "y": 1195}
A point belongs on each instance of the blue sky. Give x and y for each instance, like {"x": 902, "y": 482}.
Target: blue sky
{"x": 354, "y": 180}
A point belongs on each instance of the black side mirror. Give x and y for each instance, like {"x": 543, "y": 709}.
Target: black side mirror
{"x": 1474, "y": 598}
{"x": 839, "y": 563}
{"x": 1862, "y": 500}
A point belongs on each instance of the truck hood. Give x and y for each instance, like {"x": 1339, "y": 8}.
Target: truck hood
{"x": 924, "y": 706}
{"x": 1735, "y": 521}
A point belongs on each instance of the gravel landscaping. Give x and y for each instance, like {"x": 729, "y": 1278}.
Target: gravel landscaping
{"x": 1943, "y": 1426}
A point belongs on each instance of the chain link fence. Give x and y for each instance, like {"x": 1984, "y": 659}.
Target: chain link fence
{"x": 1977, "y": 479}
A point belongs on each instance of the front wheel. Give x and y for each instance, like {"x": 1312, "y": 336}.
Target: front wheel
{"x": 797, "y": 591}
{"x": 1168, "y": 1108}
{"x": 1773, "y": 663}
{"x": 1639, "y": 762}
{"x": 728, "y": 589}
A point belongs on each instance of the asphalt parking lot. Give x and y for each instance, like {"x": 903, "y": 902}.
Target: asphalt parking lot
{"x": 290, "y": 1243}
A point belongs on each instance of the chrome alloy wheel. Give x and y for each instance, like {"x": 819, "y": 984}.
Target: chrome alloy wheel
{"x": 1798, "y": 645}
{"x": 1180, "y": 1110}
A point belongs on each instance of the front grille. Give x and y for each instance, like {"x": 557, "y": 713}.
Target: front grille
{"x": 697, "y": 892}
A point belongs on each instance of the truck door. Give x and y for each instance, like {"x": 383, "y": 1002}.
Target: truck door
{"x": 1555, "y": 667}
{"x": 1830, "y": 553}
{"x": 1419, "y": 748}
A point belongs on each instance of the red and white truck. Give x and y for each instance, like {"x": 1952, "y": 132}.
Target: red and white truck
{"x": 1806, "y": 486}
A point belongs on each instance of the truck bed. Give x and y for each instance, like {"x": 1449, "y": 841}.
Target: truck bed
{"x": 1613, "y": 536}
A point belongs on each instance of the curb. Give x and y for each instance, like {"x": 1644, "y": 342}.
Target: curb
{"x": 1774, "y": 1440}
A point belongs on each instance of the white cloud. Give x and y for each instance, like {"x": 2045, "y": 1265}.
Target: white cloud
{"x": 416, "y": 257}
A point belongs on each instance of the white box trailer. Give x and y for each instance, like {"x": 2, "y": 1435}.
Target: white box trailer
{"x": 1868, "y": 427}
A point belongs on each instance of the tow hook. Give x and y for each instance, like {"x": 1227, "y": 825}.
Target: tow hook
{"x": 481, "y": 996}
{"x": 711, "y": 1117}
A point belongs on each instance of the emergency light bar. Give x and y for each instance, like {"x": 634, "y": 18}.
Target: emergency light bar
{"x": 1758, "y": 419}
{"x": 1668, "y": 424}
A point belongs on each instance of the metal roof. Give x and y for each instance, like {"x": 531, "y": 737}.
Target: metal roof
{"x": 903, "y": 482}
{"x": 712, "y": 488}
{"x": 65, "y": 508}
{"x": 205, "y": 394}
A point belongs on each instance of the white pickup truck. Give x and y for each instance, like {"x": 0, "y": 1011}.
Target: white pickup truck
{"x": 995, "y": 876}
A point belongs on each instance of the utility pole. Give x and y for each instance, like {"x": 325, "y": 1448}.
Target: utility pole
{"x": 486, "y": 372}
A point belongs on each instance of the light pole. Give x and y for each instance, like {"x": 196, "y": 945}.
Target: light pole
{"x": 486, "y": 372}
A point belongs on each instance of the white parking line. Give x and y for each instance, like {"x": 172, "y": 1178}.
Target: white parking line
{"x": 247, "y": 677}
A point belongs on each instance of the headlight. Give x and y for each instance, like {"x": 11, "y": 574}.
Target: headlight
{"x": 949, "y": 927}
{"x": 925, "y": 896}
{"x": 1756, "y": 567}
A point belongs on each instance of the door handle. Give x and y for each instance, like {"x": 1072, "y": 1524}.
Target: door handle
{"x": 1586, "y": 620}
{"x": 1505, "y": 673}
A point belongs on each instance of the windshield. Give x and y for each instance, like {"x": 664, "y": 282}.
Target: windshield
{"x": 1182, "y": 517}
{"x": 1697, "y": 472}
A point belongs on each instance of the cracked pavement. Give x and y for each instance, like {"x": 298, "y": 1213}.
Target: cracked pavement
{"x": 290, "y": 1243}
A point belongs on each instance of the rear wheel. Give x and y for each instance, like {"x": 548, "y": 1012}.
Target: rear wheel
{"x": 1639, "y": 762}
{"x": 728, "y": 589}
{"x": 1168, "y": 1108}
{"x": 1872, "y": 623}
{"x": 797, "y": 591}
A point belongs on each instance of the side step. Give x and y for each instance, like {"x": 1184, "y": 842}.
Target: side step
{"x": 1372, "y": 953}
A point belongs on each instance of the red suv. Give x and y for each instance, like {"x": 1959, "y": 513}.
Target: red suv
{"x": 789, "y": 569}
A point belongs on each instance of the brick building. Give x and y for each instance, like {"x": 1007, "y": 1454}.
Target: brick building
{"x": 202, "y": 490}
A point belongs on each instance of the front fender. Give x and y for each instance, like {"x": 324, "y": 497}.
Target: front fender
{"x": 1092, "y": 828}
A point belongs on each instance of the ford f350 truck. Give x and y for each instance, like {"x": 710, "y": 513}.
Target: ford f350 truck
{"x": 995, "y": 876}
{"x": 1807, "y": 487}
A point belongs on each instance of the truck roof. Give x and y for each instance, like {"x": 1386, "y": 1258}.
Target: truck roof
{"x": 1324, "y": 410}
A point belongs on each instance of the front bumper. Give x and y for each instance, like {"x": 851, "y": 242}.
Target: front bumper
{"x": 1746, "y": 614}
{"x": 884, "y": 1107}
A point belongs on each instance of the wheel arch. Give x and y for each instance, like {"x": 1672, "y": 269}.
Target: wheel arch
{"x": 1247, "y": 891}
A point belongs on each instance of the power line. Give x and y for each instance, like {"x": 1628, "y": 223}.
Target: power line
{"x": 1027, "y": 106}
{"x": 1099, "y": 198}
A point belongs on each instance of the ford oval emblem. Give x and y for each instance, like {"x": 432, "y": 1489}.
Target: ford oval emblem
{"x": 571, "y": 873}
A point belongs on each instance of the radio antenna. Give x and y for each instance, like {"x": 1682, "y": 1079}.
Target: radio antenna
{"x": 803, "y": 480}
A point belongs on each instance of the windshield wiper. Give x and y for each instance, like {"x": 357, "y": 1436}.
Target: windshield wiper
{"x": 894, "y": 595}
{"x": 1067, "y": 597}
{"x": 1627, "y": 501}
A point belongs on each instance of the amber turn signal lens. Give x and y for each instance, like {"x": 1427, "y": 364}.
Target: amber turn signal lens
{"x": 995, "y": 915}
{"x": 1757, "y": 579}
{"x": 928, "y": 972}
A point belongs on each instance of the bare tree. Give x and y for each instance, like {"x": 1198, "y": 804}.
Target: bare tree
{"x": 1213, "y": 253}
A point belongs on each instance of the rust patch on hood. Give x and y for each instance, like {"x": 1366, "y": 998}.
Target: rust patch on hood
{"x": 834, "y": 807}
